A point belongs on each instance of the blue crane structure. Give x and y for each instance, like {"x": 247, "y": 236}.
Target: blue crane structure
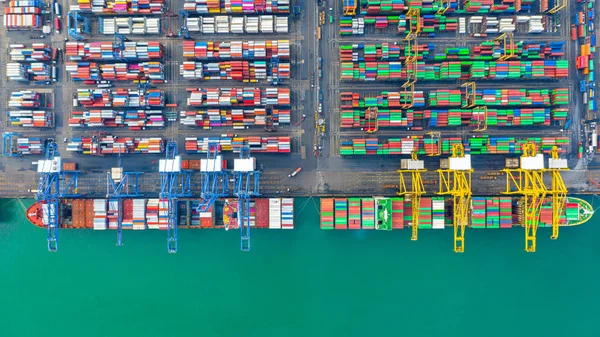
{"x": 120, "y": 185}
{"x": 174, "y": 183}
{"x": 54, "y": 183}
{"x": 9, "y": 146}
{"x": 119, "y": 46}
{"x": 184, "y": 32}
{"x": 215, "y": 178}
{"x": 73, "y": 19}
{"x": 246, "y": 185}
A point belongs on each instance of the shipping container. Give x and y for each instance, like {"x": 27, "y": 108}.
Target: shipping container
{"x": 327, "y": 213}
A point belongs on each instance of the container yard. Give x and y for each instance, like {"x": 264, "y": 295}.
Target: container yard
{"x": 222, "y": 114}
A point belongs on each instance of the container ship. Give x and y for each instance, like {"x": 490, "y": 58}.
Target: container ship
{"x": 382, "y": 213}
{"x": 142, "y": 214}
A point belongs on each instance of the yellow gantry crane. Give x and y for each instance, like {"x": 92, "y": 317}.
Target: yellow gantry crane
{"x": 443, "y": 6}
{"x": 455, "y": 180}
{"x": 481, "y": 112}
{"x": 414, "y": 168}
{"x": 349, "y": 7}
{"x": 436, "y": 136}
{"x": 558, "y": 5}
{"x": 558, "y": 189}
{"x": 528, "y": 180}
{"x": 413, "y": 15}
{"x": 507, "y": 45}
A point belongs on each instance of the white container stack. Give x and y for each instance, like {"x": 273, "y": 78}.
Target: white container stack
{"x": 113, "y": 214}
{"x": 139, "y": 214}
{"x": 536, "y": 24}
{"x": 48, "y": 213}
{"x": 274, "y": 213}
{"x": 287, "y": 213}
{"x": 358, "y": 26}
{"x": 100, "y": 214}
{"x": 16, "y": 72}
{"x": 151, "y": 214}
{"x": 437, "y": 207}
{"x": 224, "y": 24}
{"x": 129, "y": 26}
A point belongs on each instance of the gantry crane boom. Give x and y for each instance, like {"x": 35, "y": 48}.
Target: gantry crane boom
{"x": 175, "y": 182}
{"x": 121, "y": 185}
{"x": 414, "y": 167}
{"x": 528, "y": 181}
{"x": 455, "y": 180}
{"x": 558, "y": 189}
{"x": 54, "y": 183}
{"x": 246, "y": 186}
{"x": 215, "y": 178}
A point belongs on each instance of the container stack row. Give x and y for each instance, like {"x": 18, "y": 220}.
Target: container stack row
{"x": 107, "y": 144}
{"x": 133, "y": 7}
{"x": 237, "y": 6}
{"x": 134, "y": 119}
{"x": 238, "y": 97}
{"x": 24, "y": 15}
{"x": 129, "y": 25}
{"x": 274, "y": 213}
{"x": 108, "y": 51}
{"x": 236, "y": 50}
{"x": 40, "y": 73}
{"x": 112, "y": 214}
{"x": 25, "y": 99}
{"x": 457, "y": 70}
{"x": 120, "y": 98}
{"x": 38, "y": 52}
{"x": 233, "y": 143}
{"x": 92, "y": 71}
{"x": 26, "y": 146}
{"x": 391, "y": 111}
{"x": 223, "y": 24}
{"x": 244, "y": 71}
{"x": 235, "y": 118}
{"x": 31, "y": 118}
{"x": 483, "y": 144}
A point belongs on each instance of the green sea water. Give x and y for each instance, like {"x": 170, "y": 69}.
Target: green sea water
{"x": 304, "y": 282}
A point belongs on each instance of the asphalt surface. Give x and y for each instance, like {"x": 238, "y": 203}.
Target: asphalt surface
{"x": 324, "y": 173}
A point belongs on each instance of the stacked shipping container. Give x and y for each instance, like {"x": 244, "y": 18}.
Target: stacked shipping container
{"x": 232, "y": 143}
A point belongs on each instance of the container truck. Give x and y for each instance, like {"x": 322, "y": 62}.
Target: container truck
{"x": 295, "y": 172}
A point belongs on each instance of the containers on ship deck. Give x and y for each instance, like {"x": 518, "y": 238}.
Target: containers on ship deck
{"x": 287, "y": 213}
{"x": 274, "y": 213}
{"x": 397, "y": 213}
{"x": 327, "y": 214}
{"x": 139, "y": 214}
{"x": 354, "y": 213}
{"x": 368, "y": 213}
{"x": 100, "y": 214}
{"x": 262, "y": 209}
{"x": 341, "y": 213}
{"x": 112, "y": 214}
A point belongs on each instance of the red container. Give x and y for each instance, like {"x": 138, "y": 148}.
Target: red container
{"x": 261, "y": 211}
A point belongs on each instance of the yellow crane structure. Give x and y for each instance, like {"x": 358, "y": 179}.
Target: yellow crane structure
{"x": 413, "y": 15}
{"x": 558, "y": 189}
{"x": 443, "y": 6}
{"x": 481, "y": 112}
{"x": 349, "y": 7}
{"x": 528, "y": 180}
{"x": 507, "y": 46}
{"x": 436, "y": 137}
{"x": 558, "y": 5}
{"x": 455, "y": 180}
{"x": 414, "y": 168}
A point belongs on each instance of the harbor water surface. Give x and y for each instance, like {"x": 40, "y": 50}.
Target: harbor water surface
{"x": 306, "y": 282}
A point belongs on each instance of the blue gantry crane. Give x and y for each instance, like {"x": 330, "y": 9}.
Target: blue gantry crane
{"x": 74, "y": 29}
{"x": 246, "y": 186}
{"x": 119, "y": 46}
{"x": 120, "y": 185}
{"x": 54, "y": 183}
{"x": 10, "y": 147}
{"x": 215, "y": 178}
{"x": 184, "y": 32}
{"x": 174, "y": 183}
